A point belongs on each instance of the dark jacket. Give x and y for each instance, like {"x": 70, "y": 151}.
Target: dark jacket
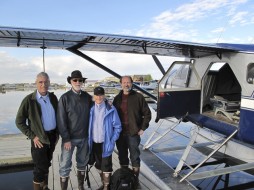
{"x": 112, "y": 128}
{"x": 139, "y": 114}
{"x": 28, "y": 118}
{"x": 73, "y": 115}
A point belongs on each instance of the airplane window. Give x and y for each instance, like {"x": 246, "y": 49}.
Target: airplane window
{"x": 250, "y": 73}
{"x": 217, "y": 66}
{"x": 177, "y": 77}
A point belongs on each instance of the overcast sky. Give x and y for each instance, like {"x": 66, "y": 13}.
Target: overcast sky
{"x": 206, "y": 21}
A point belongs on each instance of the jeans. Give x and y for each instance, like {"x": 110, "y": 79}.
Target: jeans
{"x": 131, "y": 143}
{"x": 82, "y": 156}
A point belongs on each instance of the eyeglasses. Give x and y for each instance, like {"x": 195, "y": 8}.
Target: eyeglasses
{"x": 75, "y": 80}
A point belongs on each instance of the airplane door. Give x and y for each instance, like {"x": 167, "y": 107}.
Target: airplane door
{"x": 179, "y": 91}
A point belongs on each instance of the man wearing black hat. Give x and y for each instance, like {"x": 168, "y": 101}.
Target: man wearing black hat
{"x": 104, "y": 130}
{"x": 73, "y": 120}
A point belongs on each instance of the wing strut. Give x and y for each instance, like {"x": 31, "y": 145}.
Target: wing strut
{"x": 158, "y": 63}
{"x": 79, "y": 53}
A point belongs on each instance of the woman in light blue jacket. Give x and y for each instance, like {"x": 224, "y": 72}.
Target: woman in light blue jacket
{"x": 104, "y": 130}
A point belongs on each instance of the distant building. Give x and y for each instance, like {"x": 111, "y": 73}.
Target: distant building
{"x": 26, "y": 85}
{"x": 112, "y": 79}
{"x": 142, "y": 78}
{"x": 20, "y": 86}
{"x": 90, "y": 83}
{"x": 8, "y": 86}
{"x": 135, "y": 78}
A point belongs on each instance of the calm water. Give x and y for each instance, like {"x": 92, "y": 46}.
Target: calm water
{"x": 16, "y": 181}
{"x": 9, "y": 104}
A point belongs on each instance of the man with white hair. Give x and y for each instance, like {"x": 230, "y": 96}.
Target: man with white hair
{"x": 36, "y": 118}
{"x": 73, "y": 120}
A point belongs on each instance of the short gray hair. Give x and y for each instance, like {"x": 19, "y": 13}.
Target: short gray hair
{"x": 42, "y": 74}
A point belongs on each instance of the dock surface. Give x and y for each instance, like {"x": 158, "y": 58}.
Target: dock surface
{"x": 15, "y": 150}
{"x": 154, "y": 174}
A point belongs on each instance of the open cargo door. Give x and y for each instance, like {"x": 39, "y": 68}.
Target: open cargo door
{"x": 179, "y": 91}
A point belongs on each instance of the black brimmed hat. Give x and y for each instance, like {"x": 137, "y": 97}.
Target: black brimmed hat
{"x": 98, "y": 91}
{"x": 75, "y": 74}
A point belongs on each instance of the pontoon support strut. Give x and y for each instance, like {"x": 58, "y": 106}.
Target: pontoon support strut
{"x": 210, "y": 155}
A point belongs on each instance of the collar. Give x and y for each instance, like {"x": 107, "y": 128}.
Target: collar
{"x": 78, "y": 93}
{"x": 38, "y": 95}
{"x": 101, "y": 105}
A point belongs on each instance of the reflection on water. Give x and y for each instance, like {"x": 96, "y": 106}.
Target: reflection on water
{"x": 16, "y": 181}
{"x": 9, "y": 105}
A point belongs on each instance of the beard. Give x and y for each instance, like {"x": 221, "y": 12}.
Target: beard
{"x": 76, "y": 88}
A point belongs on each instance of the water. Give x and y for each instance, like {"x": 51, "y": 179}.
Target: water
{"x": 11, "y": 100}
{"x": 16, "y": 181}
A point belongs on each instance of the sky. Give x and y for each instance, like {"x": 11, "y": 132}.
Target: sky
{"x": 205, "y": 21}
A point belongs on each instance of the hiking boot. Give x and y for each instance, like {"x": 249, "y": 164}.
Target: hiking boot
{"x": 136, "y": 171}
{"x": 64, "y": 183}
{"x": 102, "y": 186}
{"x": 37, "y": 186}
{"x": 81, "y": 178}
{"x": 106, "y": 180}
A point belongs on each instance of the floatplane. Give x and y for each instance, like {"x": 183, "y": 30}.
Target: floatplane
{"x": 149, "y": 85}
{"x": 212, "y": 88}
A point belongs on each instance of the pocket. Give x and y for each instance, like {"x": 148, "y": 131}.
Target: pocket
{"x": 111, "y": 147}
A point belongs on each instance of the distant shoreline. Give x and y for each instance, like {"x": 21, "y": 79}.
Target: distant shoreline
{"x": 12, "y": 135}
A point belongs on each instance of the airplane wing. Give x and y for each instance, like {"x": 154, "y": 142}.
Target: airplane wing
{"x": 58, "y": 39}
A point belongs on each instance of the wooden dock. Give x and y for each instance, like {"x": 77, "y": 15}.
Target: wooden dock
{"x": 15, "y": 150}
{"x": 155, "y": 174}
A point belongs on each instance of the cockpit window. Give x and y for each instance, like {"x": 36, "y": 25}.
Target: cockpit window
{"x": 177, "y": 77}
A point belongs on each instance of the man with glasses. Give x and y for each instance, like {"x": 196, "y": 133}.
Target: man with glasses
{"x": 73, "y": 120}
{"x": 36, "y": 118}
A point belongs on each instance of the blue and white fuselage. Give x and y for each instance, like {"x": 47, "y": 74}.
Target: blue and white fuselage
{"x": 217, "y": 94}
